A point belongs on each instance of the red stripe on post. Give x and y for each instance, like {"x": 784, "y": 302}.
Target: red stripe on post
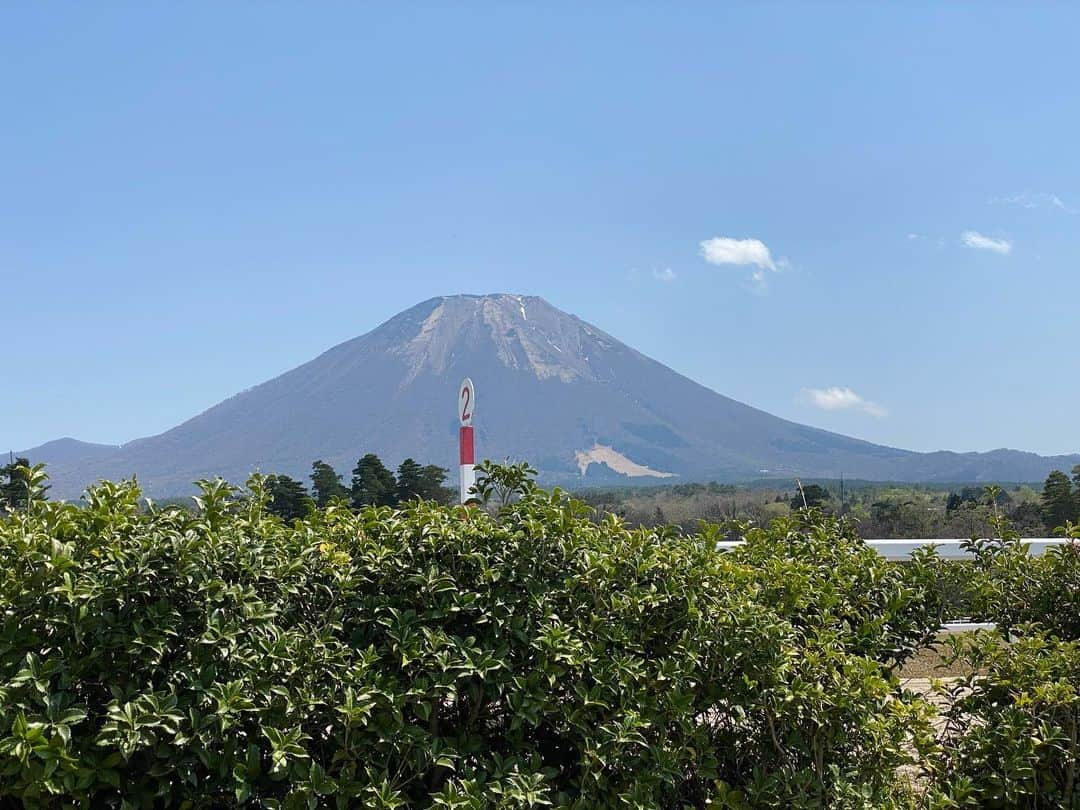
{"x": 466, "y": 445}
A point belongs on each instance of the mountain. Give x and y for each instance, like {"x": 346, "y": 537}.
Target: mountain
{"x": 551, "y": 389}
{"x": 67, "y": 450}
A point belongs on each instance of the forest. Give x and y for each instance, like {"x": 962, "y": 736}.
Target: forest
{"x": 878, "y": 510}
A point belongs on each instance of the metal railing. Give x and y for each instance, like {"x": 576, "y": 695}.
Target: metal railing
{"x": 949, "y": 548}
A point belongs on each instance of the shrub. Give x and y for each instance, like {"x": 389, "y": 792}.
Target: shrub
{"x": 835, "y": 727}
{"x": 814, "y": 570}
{"x": 1010, "y": 738}
{"x": 430, "y": 656}
{"x": 946, "y": 585}
{"x": 1011, "y": 587}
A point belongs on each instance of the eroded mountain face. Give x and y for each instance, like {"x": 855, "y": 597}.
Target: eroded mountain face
{"x": 525, "y": 333}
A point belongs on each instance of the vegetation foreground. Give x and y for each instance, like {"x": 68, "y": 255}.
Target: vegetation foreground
{"x": 519, "y": 656}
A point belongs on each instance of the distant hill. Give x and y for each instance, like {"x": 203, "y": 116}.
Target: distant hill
{"x": 551, "y": 388}
{"x": 66, "y": 451}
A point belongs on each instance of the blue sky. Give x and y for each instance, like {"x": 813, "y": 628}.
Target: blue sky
{"x": 864, "y": 218}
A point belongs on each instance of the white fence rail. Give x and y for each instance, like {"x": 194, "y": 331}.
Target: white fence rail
{"x": 948, "y": 548}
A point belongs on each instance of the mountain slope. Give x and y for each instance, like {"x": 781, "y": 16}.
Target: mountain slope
{"x": 551, "y": 389}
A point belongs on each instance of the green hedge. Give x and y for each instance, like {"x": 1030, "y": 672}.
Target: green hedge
{"x": 431, "y": 657}
{"x": 1010, "y": 726}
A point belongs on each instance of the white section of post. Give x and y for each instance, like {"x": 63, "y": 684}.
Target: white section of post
{"x": 468, "y": 481}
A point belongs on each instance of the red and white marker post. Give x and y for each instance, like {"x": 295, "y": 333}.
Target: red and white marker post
{"x": 466, "y": 407}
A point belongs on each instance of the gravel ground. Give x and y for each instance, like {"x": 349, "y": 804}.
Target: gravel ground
{"x": 927, "y": 664}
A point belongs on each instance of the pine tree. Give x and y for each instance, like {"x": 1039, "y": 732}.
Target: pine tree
{"x": 433, "y": 478}
{"x": 372, "y": 483}
{"x": 414, "y": 481}
{"x": 289, "y": 499}
{"x": 16, "y": 487}
{"x": 326, "y": 484}
{"x": 1058, "y": 502}
{"x": 410, "y": 483}
{"x": 1076, "y": 493}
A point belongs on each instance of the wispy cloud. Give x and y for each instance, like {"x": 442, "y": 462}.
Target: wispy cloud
{"x": 838, "y": 398}
{"x": 724, "y": 250}
{"x": 666, "y": 275}
{"x": 974, "y": 239}
{"x": 936, "y": 241}
{"x": 1035, "y": 199}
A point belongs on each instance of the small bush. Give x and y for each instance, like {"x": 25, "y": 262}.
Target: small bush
{"x": 1010, "y": 738}
{"x": 1011, "y": 587}
{"x": 814, "y": 570}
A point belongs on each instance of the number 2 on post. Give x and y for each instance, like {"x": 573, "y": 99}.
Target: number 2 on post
{"x": 466, "y": 395}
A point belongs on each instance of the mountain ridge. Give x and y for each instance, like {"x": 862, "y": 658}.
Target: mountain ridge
{"x": 552, "y": 389}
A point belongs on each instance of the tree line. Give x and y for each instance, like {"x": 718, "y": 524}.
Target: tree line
{"x": 877, "y": 509}
{"x": 896, "y": 512}
{"x": 372, "y": 484}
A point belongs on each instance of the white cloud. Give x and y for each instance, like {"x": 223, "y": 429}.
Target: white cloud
{"x": 667, "y": 274}
{"x": 974, "y": 239}
{"x": 1034, "y": 199}
{"x": 724, "y": 250}
{"x": 838, "y": 398}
